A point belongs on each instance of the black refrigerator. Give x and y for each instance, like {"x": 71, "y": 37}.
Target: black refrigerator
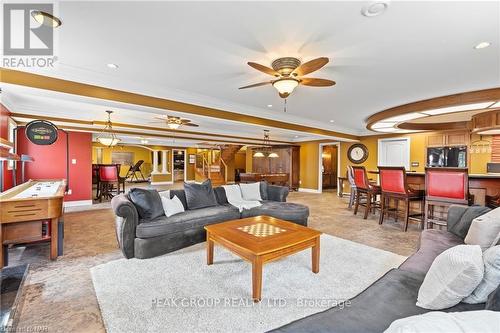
{"x": 451, "y": 157}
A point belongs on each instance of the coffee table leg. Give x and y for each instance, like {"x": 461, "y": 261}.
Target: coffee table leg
{"x": 256, "y": 279}
{"x": 210, "y": 250}
{"x": 315, "y": 256}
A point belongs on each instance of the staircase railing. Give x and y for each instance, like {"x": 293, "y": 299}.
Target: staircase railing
{"x": 211, "y": 161}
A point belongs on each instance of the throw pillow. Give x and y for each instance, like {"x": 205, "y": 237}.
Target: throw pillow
{"x": 443, "y": 322}
{"x": 172, "y": 206}
{"x": 165, "y": 194}
{"x": 484, "y": 229}
{"x": 251, "y": 192}
{"x": 461, "y": 228}
{"x": 491, "y": 279}
{"x": 453, "y": 275}
{"x": 147, "y": 203}
{"x": 200, "y": 195}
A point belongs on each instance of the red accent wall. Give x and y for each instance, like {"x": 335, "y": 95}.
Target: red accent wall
{"x": 50, "y": 161}
{"x": 4, "y": 134}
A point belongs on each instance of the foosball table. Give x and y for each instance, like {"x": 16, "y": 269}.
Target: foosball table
{"x": 30, "y": 212}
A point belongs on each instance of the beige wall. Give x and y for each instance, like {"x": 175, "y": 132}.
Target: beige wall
{"x": 309, "y": 156}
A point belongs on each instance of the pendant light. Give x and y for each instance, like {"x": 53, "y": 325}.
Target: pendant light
{"x": 107, "y": 137}
{"x": 266, "y": 148}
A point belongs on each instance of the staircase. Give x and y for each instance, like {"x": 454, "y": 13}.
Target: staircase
{"x": 212, "y": 164}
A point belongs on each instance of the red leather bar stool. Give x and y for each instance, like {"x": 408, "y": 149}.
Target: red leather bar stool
{"x": 393, "y": 185}
{"x": 444, "y": 187}
{"x": 108, "y": 178}
{"x": 365, "y": 189}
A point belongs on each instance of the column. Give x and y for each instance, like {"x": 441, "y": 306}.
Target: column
{"x": 155, "y": 162}
{"x": 164, "y": 162}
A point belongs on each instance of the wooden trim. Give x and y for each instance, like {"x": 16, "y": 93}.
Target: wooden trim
{"x": 434, "y": 103}
{"x": 142, "y": 127}
{"x": 172, "y": 136}
{"x": 87, "y": 90}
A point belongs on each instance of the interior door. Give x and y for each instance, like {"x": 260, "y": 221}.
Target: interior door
{"x": 394, "y": 152}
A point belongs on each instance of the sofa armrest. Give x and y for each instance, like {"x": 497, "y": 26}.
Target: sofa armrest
{"x": 277, "y": 193}
{"x": 126, "y": 223}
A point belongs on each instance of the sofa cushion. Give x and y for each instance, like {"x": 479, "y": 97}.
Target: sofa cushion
{"x": 491, "y": 279}
{"x": 196, "y": 218}
{"x": 147, "y": 202}
{"x": 432, "y": 243}
{"x": 200, "y": 195}
{"x": 461, "y": 228}
{"x": 220, "y": 195}
{"x": 453, "y": 275}
{"x": 391, "y": 297}
{"x": 282, "y": 210}
{"x": 493, "y": 302}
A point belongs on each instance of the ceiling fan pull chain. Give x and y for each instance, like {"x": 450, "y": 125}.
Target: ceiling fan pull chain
{"x": 284, "y": 107}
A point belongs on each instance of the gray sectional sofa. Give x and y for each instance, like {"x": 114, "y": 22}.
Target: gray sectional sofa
{"x": 394, "y": 295}
{"x": 145, "y": 238}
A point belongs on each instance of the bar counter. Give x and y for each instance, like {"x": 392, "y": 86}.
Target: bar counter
{"x": 484, "y": 187}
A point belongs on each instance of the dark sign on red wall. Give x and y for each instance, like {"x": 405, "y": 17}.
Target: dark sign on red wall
{"x": 41, "y": 132}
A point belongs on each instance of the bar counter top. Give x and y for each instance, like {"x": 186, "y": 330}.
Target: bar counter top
{"x": 471, "y": 175}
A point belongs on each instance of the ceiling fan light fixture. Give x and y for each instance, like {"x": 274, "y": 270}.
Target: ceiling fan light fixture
{"x": 173, "y": 125}
{"x": 285, "y": 86}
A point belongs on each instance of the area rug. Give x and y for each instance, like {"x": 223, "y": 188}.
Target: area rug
{"x": 178, "y": 292}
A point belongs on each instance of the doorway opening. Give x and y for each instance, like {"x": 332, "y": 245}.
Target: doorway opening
{"x": 179, "y": 165}
{"x": 329, "y": 167}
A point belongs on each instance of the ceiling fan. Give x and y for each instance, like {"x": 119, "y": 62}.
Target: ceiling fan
{"x": 289, "y": 72}
{"x": 176, "y": 122}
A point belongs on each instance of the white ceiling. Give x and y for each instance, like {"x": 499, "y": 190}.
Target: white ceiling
{"x": 197, "y": 52}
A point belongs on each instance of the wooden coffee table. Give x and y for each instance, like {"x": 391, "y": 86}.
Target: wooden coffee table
{"x": 262, "y": 239}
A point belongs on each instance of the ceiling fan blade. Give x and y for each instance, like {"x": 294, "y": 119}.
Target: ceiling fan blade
{"x": 190, "y": 124}
{"x": 316, "y": 82}
{"x": 161, "y": 118}
{"x": 263, "y": 68}
{"x": 255, "y": 85}
{"x": 311, "y": 66}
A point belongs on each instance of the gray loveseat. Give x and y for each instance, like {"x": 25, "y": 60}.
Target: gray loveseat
{"x": 394, "y": 295}
{"x": 143, "y": 238}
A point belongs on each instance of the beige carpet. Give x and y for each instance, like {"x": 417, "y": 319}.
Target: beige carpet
{"x": 178, "y": 292}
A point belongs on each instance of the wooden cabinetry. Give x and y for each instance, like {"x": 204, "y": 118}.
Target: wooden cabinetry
{"x": 454, "y": 138}
{"x": 288, "y": 162}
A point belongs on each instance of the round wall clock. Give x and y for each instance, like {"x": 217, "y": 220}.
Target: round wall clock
{"x": 357, "y": 153}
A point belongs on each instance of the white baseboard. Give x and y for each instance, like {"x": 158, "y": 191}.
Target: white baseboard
{"x": 77, "y": 203}
{"x": 308, "y": 190}
{"x": 162, "y": 183}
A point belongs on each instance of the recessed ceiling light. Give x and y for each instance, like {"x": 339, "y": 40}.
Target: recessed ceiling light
{"x": 458, "y": 108}
{"x": 374, "y": 8}
{"x": 406, "y": 117}
{"x": 332, "y": 121}
{"x": 269, "y": 105}
{"x": 482, "y": 45}
{"x": 46, "y": 18}
{"x": 113, "y": 66}
{"x": 296, "y": 136}
{"x": 383, "y": 124}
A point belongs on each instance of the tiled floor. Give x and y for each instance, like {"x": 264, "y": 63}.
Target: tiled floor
{"x": 59, "y": 295}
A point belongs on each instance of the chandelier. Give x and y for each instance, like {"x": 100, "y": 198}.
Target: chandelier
{"x": 107, "y": 137}
{"x": 266, "y": 148}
